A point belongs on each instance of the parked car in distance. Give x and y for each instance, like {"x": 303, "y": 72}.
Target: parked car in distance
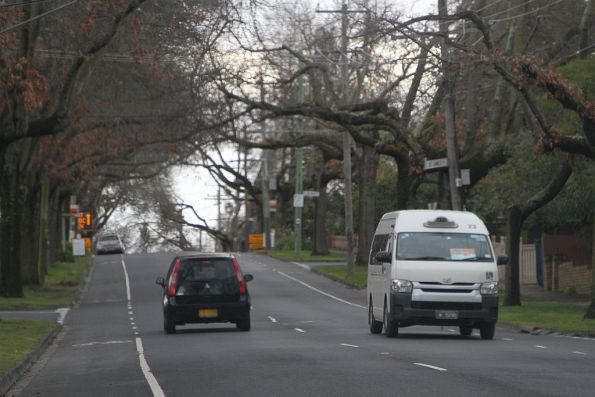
{"x": 109, "y": 244}
{"x": 205, "y": 288}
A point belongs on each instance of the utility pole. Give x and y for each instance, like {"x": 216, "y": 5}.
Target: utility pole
{"x": 348, "y": 193}
{"x": 449, "y": 111}
{"x": 298, "y": 198}
{"x": 266, "y": 212}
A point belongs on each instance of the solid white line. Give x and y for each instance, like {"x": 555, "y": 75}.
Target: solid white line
{"x": 111, "y": 342}
{"x": 430, "y": 366}
{"x": 541, "y": 347}
{"x": 62, "y": 312}
{"x": 273, "y": 320}
{"x": 303, "y": 266}
{"x": 348, "y": 345}
{"x": 153, "y": 384}
{"x": 322, "y": 292}
{"x": 581, "y": 353}
{"x": 127, "y": 281}
{"x": 299, "y": 330}
{"x": 507, "y": 339}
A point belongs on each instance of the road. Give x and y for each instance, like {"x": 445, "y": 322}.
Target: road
{"x": 309, "y": 338}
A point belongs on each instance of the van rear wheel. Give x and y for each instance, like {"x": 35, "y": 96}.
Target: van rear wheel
{"x": 487, "y": 330}
{"x": 375, "y": 326}
{"x": 465, "y": 330}
{"x": 390, "y": 328}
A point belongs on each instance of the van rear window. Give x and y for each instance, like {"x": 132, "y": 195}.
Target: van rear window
{"x": 422, "y": 246}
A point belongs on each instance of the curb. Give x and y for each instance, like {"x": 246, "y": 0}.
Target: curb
{"x": 338, "y": 280}
{"x": 10, "y": 378}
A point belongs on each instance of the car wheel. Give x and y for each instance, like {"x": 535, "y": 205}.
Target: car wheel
{"x": 243, "y": 324}
{"x": 465, "y": 330}
{"x": 390, "y": 328}
{"x": 169, "y": 326}
{"x": 375, "y": 326}
{"x": 487, "y": 330}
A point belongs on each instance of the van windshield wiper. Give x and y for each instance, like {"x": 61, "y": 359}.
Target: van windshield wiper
{"x": 427, "y": 258}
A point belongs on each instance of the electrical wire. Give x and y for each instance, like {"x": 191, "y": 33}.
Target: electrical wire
{"x": 8, "y": 29}
{"x": 526, "y": 13}
{"x": 24, "y": 3}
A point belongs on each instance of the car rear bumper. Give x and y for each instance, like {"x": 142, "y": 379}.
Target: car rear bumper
{"x": 405, "y": 312}
{"x": 225, "y": 312}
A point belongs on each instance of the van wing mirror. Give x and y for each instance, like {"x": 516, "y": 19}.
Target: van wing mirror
{"x": 383, "y": 256}
{"x": 160, "y": 281}
{"x": 502, "y": 259}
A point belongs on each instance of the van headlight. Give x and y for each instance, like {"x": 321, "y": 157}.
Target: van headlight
{"x": 489, "y": 288}
{"x": 402, "y": 286}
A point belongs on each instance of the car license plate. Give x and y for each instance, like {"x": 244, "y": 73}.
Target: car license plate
{"x": 447, "y": 315}
{"x": 207, "y": 313}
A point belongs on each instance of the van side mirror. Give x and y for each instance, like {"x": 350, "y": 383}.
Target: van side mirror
{"x": 383, "y": 257}
{"x": 160, "y": 281}
{"x": 502, "y": 260}
{"x": 248, "y": 277}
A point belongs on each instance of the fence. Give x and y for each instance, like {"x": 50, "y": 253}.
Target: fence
{"x": 527, "y": 262}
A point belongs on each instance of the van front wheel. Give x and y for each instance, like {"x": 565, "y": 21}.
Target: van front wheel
{"x": 375, "y": 326}
{"x": 390, "y": 328}
{"x": 487, "y": 330}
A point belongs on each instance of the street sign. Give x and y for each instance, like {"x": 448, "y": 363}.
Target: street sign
{"x": 298, "y": 200}
{"x": 466, "y": 176}
{"x": 311, "y": 193}
{"x": 84, "y": 221}
{"x": 256, "y": 241}
{"x": 78, "y": 247}
{"x": 435, "y": 163}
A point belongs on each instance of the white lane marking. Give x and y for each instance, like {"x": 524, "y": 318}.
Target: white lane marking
{"x": 131, "y": 313}
{"x": 430, "y": 366}
{"x": 348, "y": 345}
{"x": 127, "y": 282}
{"x": 541, "y": 347}
{"x": 322, "y": 292}
{"x": 581, "y": 353}
{"x": 62, "y": 312}
{"x": 302, "y": 265}
{"x": 299, "y": 330}
{"x": 273, "y": 320}
{"x": 153, "y": 384}
{"x": 507, "y": 339}
{"x": 307, "y": 322}
{"x": 109, "y": 342}
{"x": 151, "y": 380}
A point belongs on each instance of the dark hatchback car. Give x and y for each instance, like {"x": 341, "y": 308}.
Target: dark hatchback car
{"x": 205, "y": 288}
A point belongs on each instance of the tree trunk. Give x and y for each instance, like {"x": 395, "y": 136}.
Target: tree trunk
{"x": 402, "y": 201}
{"x": 320, "y": 240}
{"x": 10, "y": 207}
{"x": 590, "y": 314}
{"x": 367, "y": 199}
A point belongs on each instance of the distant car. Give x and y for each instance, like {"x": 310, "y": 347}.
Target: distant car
{"x": 205, "y": 288}
{"x": 109, "y": 244}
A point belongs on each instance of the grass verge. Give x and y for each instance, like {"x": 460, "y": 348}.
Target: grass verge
{"x": 565, "y": 318}
{"x": 306, "y": 256}
{"x": 61, "y": 285}
{"x": 18, "y": 338}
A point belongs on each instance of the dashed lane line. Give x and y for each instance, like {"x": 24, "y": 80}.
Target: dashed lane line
{"x": 321, "y": 292}
{"x": 273, "y": 319}
{"x": 348, "y": 345}
{"x": 144, "y": 365}
{"x": 109, "y": 342}
{"x": 300, "y": 330}
{"x": 541, "y": 347}
{"x": 431, "y": 367}
{"x": 580, "y": 353}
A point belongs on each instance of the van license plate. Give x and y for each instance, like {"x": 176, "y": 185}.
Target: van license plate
{"x": 447, "y": 315}
{"x": 207, "y": 313}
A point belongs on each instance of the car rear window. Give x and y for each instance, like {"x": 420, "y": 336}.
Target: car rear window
{"x": 213, "y": 276}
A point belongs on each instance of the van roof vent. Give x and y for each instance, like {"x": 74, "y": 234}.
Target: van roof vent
{"x": 441, "y": 222}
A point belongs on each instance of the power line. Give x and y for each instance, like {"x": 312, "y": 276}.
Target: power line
{"x": 526, "y": 13}
{"x": 38, "y": 17}
{"x": 25, "y": 3}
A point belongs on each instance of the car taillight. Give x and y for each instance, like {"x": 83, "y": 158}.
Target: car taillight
{"x": 174, "y": 278}
{"x": 240, "y": 276}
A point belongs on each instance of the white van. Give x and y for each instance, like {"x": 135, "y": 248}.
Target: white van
{"x": 432, "y": 267}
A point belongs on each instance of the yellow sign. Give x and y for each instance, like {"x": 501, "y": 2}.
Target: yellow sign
{"x": 84, "y": 221}
{"x": 256, "y": 241}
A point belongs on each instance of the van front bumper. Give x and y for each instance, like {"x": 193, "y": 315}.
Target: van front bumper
{"x": 404, "y": 311}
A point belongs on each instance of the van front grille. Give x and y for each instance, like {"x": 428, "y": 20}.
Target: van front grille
{"x": 445, "y": 305}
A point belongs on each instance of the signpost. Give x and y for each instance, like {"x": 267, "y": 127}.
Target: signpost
{"x": 435, "y": 164}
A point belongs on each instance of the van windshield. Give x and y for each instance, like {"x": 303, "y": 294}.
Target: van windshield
{"x": 439, "y": 246}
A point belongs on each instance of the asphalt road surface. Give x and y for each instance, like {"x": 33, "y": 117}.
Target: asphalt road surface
{"x": 309, "y": 337}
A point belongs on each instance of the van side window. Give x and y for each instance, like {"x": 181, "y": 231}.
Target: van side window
{"x": 378, "y": 244}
